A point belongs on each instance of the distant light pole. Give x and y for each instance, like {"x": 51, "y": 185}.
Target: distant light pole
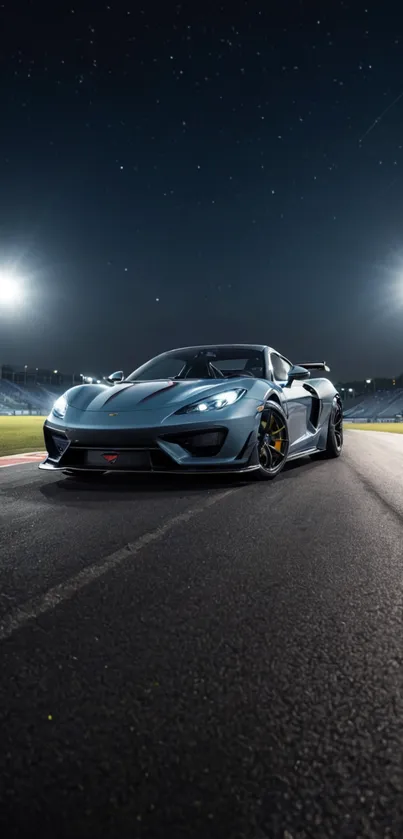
{"x": 352, "y": 391}
{"x": 371, "y": 382}
{"x": 25, "y": 373}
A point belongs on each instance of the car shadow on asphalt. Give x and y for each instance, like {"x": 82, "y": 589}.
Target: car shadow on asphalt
{"x": 104, "y": 487}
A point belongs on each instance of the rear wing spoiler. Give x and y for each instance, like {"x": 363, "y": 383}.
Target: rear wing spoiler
{"x": 315, "y": 365}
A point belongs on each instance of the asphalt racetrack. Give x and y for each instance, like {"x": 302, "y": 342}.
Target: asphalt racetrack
{"x": 204, "y": 659}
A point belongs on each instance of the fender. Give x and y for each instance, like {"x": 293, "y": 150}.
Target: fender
{"x": 275, "y": 392}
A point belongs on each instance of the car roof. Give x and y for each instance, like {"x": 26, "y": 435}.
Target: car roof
{"x": 254, "y": 347}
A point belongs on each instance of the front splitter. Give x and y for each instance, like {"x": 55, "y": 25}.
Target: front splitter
{"x": 50, "y": 467}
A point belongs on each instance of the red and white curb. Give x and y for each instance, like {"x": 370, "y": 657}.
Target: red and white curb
{"x": 20, "y": 459}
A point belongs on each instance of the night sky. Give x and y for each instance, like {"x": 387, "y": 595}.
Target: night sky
{"x": 186, "y": 173}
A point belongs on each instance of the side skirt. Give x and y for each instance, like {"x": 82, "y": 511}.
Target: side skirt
{"x": 306, "y": 453}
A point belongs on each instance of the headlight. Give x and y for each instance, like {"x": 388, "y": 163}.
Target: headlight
{"x": 60, "y": 407}
{"x": 214, "y": 403}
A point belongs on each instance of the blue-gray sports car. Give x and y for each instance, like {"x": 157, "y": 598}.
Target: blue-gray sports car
{"x": 240, "y": 408}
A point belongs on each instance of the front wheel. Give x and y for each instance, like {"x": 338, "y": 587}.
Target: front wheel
{"x": 272, "y": 443}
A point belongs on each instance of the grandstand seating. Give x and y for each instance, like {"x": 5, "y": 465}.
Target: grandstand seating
{"x": 384, "y": 404}
{"x": 32, "y": 398}
{"x": 394, "y": 407}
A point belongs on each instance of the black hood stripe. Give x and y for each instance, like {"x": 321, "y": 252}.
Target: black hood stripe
{"x": 156, "y": 392}
{"x": 118, "y": 392}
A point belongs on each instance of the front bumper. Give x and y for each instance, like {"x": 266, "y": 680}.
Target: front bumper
{"x": 197, "y": 448}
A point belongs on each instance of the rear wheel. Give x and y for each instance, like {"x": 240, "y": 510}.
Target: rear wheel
{"x": 272, "y": 443}
{"x": 334, "y": 443}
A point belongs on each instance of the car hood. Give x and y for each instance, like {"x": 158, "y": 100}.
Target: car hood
{"x": 130, "y": 396}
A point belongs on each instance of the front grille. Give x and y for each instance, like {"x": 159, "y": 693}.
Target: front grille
{"x": 206, "y": 443}
{"x": 160, "y": 460}
{"x": 131, "y": 460}
{"x": 75, "y": 457}
{"x": 70, "y": 449}
{"x": 107, "y": 438}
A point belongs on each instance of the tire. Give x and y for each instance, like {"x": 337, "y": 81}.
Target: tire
{"x": 334, "y": 443}
{"x": 273, "y": 442}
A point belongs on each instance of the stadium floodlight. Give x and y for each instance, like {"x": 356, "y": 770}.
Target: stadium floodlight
{"x": 10, "y": 288}
{"x": 368, "y": 381}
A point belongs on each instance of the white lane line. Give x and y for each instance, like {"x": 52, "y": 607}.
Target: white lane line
{"x": 46, "y": 602}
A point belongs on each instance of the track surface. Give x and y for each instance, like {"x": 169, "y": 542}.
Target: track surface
{"x": 237, "y": 672}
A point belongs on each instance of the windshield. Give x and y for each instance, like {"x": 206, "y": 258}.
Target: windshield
{"x": 203, "y": 363}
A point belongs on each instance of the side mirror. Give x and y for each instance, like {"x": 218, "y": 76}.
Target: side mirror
{"x": 298, "y": 374}
{"x": 116, "y": 377}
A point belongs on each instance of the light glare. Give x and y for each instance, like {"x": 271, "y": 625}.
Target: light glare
{"x": 10, "y": 290}
{"x": 60, "y": 407}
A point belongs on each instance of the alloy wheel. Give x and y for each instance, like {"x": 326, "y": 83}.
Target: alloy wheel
{"x": 272, "y": 440}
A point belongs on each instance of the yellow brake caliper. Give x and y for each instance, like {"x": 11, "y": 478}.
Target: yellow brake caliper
{"x": 277, "y": 443}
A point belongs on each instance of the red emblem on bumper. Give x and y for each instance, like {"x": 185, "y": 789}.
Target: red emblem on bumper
{"x": 111, "y": 458}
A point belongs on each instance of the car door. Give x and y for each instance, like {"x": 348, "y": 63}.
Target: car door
{"x": 299, "y": 403}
